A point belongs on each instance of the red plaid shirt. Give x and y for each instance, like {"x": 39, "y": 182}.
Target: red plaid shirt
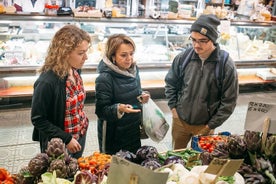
{"x": 75, "y": 121}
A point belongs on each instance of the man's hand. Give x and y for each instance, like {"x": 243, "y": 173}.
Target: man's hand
{"x": 174, "y": 113}
{"x": 205, "y": 131}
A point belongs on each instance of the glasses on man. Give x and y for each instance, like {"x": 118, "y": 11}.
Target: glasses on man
{"x": 199, "y": 41}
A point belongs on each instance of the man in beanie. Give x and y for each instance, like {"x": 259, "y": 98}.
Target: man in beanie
{"x": 198, "y": 103}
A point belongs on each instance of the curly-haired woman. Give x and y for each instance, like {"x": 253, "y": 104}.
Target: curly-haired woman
{"x": 58, "y": 98}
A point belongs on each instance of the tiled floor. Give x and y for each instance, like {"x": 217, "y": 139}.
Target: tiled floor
{"x": 16, "y": 147}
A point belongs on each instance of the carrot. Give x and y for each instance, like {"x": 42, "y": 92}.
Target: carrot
{"x": 5, "y": 176}
{"x": 95, "y": 162}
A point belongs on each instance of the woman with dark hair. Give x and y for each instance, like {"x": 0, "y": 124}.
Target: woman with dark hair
{"x": 117, "y": 91}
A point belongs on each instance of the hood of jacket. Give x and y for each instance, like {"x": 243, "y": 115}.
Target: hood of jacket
{"x": 106, "y": 65}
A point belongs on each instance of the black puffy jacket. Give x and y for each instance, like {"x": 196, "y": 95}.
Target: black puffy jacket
{"x": 114, "y": 86}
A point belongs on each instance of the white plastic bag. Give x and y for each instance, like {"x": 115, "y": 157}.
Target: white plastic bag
{"x": 154, "y": 122}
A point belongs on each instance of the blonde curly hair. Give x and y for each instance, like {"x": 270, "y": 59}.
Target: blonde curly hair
{"x": 63, "y": 43}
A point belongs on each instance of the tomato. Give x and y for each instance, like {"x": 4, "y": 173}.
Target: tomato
{"x": 211, "y": 149}
{"x": 208, "y": 145}
{"x": 209, "y": 142}
{"x": 202, "y": 138}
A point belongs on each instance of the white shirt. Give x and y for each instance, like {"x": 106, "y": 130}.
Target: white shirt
{"x": 27, "y": 5}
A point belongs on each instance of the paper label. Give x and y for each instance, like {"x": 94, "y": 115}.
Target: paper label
{"x": 124, "y": 171}
{"x": 224, "y": 167}
{"x": 256, "y": 115}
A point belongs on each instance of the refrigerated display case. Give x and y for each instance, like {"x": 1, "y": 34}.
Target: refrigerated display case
{"x": 24, "y": 40}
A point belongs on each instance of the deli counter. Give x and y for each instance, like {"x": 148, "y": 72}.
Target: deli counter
{"x": 24, "y": 40}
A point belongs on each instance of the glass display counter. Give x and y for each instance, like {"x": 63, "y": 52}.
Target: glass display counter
{"x": 24, "y": 40}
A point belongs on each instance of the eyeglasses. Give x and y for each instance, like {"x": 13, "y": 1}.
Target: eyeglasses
{"x": 200, "y": 41}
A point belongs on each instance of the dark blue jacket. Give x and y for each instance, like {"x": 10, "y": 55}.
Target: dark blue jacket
{"x": 114, "y": 87}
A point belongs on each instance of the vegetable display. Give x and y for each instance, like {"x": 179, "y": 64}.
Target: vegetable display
{"x": 259, "y": 164}
{"x": 55, "y": 166}
{"x": 55, "y": 159}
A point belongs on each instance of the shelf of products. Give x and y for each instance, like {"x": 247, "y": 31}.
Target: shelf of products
{"x": 24, "y": 40}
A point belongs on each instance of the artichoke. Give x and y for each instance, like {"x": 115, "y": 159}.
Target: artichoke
{"x": 24, "y": 176}
{"x": 262, "y": 164}
{"x": 72, "y": 165}
{"x": 236, "y": 147}
{"x": 221, "y": 150}
{"x": 270, "y": 147}
{"x": 206, "y": 157}
{"x": 60, "y": 167}
{"x": 254, "y": 178}
{"x": 264, "y": 167}
{"x": 39, "y": 164}
{"x": 253, "y": 141}
{"x": 55, "y": 148}
{"x": 245, "y": 169}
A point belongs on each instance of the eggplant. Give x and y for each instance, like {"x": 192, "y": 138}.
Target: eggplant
{"x": 146, "y": 152}
{"x": 151, "y": 163}
{"x": 174, "y": 159}
{"x": 126, "y": 155}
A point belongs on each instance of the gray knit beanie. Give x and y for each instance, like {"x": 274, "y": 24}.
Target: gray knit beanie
{"x": 207, "y": 25}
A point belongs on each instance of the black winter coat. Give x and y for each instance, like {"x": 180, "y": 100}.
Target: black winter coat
{"x": 114, "y": 87}
{"x": 48, "y": 115}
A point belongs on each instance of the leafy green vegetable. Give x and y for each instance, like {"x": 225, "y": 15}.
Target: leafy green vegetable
{"x": 51, "y": 178}
{"x": 229, "y": 179}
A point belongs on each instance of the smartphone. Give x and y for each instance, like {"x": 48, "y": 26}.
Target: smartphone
{"x": 135, "y": 106}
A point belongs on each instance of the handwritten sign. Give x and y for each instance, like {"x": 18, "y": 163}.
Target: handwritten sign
{"x": 257, "y": 113}
{"x": 124, "y": 171}
{"x": 224, "y": 167}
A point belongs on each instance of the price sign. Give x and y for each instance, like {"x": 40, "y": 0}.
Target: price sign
{"x": 257, "y": 113}
{"x": 124, "y": 171}
{"x": 224, "y": 167}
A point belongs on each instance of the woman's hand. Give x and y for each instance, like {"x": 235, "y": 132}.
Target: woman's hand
{"x": 126, "y": 108}
{"x": 144, "y": 97}
{"x": 73, "y": 146}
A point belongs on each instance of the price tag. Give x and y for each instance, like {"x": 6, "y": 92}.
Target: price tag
{"x": 224, "y": 167}
{"x": 124, "y": 171}
{"x": 257, "y": 113}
